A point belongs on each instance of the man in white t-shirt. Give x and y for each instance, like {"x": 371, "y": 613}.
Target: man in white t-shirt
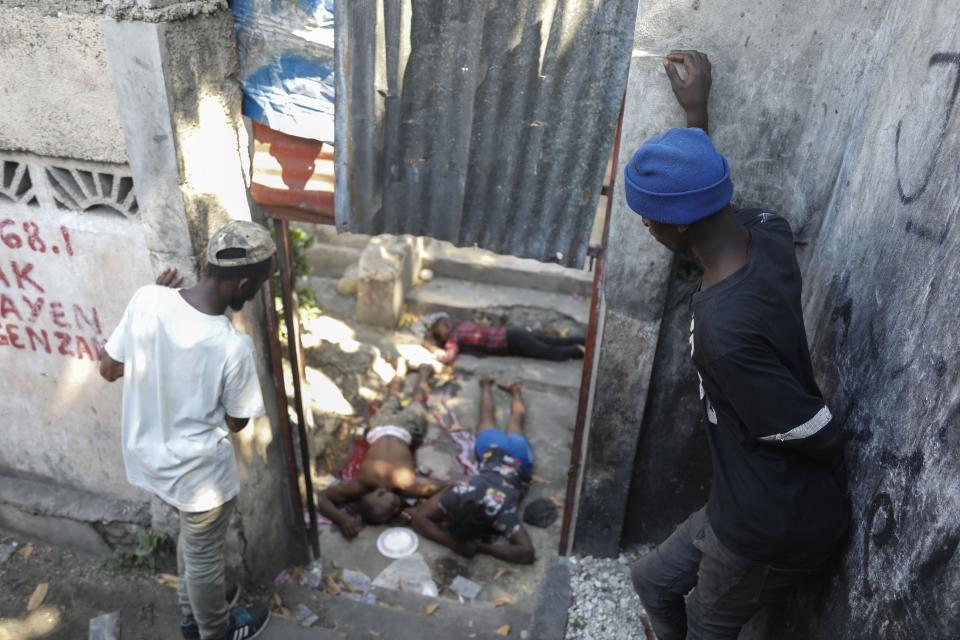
{"x": 189, "y": 379}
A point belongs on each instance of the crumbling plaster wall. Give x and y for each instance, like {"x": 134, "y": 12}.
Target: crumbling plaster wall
{"x": 842, "y": 117}
{"x": 58, "y": 97}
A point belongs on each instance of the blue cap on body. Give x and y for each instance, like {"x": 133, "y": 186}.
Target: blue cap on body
{"x": 678, "y": 177}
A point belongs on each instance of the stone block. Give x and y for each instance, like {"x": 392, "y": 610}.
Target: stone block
{"x": 381, "y": 283}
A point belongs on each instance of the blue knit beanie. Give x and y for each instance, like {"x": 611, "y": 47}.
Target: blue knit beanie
{"x": 677, "y": 177}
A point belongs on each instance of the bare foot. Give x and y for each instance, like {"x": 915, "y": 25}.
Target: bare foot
{"x": 486, "y": 381}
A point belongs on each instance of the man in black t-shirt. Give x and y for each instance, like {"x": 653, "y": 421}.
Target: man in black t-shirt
{"x": 777, "y": 508}
{"x": 467, "y": 516}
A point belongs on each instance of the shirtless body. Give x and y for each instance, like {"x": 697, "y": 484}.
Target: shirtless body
{"x": 387, "y": 473}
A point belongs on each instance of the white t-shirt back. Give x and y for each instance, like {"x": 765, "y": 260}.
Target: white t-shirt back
{"x": 183, "y": 372}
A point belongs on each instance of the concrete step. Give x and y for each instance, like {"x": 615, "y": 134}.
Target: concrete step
{"x": 479, "y": 265}
{"x": 330, "y": 260}
{"x": 402, "y": 616}
{"x": 281, "y": 628}
{"x": 518, "y": 306}
{"x": 92, "y": 524}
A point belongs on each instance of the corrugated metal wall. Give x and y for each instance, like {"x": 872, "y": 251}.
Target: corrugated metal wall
{"x": 479, "y": 122}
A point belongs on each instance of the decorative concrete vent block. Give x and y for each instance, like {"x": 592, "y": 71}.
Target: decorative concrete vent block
{"x": 73, "y": 185}
{"x": 16, "y": 184}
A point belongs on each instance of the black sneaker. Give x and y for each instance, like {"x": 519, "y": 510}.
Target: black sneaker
{"x": 248, "y": 622}
{"x": 189, "y": 627}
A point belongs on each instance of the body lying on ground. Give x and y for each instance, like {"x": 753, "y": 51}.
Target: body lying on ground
{"x": 485, "y": 339}
{"x": 387, "y": 473}
{"x": 470, "y": 514}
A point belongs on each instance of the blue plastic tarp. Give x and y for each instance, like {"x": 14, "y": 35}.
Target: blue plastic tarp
{"x": 285, "y": 49}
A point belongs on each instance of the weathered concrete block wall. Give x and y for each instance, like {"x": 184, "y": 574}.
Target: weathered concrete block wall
{"x": 58, "y": 97}
{"x": 65, "y": 277}
{"x": 843, "y": 118}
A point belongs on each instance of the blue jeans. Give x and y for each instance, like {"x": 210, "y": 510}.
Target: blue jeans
{"x": 514, "y": 444}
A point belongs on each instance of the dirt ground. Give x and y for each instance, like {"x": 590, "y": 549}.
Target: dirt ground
{"x": 79, "y": 588}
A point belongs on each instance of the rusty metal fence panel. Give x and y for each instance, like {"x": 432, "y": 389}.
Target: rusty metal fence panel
{"x": 486, "y": 122}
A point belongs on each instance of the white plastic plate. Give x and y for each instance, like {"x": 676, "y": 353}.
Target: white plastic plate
{"x": 397, "y": 542}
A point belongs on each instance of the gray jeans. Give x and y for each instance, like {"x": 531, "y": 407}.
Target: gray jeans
{"x": 725, "y": 589}
{"x": 202, "y": 567}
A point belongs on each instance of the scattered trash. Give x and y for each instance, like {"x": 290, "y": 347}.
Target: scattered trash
{"x": 312, "y": 575}
{"x": 305, "y": 616}
{"x": 331, "y": 585}
{"x": 366, "y": 598}
{"x": 504, "y": 630}
{"x": 26, "y": 551}
{"x": 7, "y": 550}
{"x": 105, "y": 627}
{"x": 283, "y": 578}
{"x": 499, "y": 574}
{"x": 430, "y": 609}
{"x": 500, "y": 598}
{"x": 278, "y": 601}
{"x": 408, "y": 574}
{"x": 39, "y": 595}
{"x": 168, "y": 580}
{"x": 356, "y": 581}
{"x": 395, "y": 607}
{"x": 426, "y": 275}
{"x": 465, "y": 588}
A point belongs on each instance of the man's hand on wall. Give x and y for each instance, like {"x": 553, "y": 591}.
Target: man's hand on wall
{"x": 169, "y": 278}
{"x": 693, "y": 91}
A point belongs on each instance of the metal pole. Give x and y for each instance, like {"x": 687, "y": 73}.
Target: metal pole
{"x": 286, "y": 438}
{"x": 292, "y": 320}
{"x": 576, "y": 452}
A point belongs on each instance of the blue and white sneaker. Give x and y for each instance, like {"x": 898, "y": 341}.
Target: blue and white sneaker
{"x": 247, "y": 622}
{"x": 189, "y": 627}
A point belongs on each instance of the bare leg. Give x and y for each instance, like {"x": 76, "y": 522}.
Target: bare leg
{"x": 518, "y": 410}
{"x": 422, "y": 388}
{"x": 488, "y": 418}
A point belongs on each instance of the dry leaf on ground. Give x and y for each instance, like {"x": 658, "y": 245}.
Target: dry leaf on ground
{"x": 39, "y": 595}
{"x": 431, "y": 609}
{"x": 504, "y": 630}
{"x": 168, "y": 580}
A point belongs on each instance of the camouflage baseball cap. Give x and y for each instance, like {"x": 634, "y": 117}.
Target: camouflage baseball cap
{"x": 239, "y": 243}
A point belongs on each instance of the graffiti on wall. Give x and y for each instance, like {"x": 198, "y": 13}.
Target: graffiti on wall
{"x": 30, "y": 318}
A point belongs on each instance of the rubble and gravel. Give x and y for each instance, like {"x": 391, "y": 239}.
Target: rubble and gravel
{"x": 605, "y": 606}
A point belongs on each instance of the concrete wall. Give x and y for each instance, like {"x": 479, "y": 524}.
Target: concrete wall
{"x": 58, "y": 97}
{"x": 843, "y": 118}
{"x": 169, "y": 101}
{"x": 58, "y": 301}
